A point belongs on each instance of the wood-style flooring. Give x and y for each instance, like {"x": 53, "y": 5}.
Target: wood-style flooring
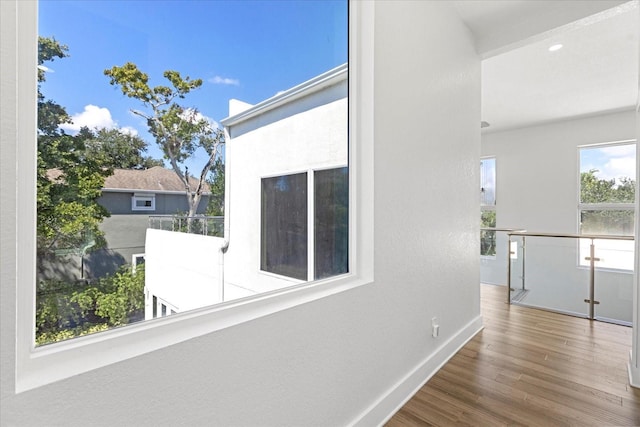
{"x": 530, "y": 367}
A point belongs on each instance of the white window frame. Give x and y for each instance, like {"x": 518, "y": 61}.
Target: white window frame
{"x": 143, "y": 197}
{"x": 584, "y": 244}
{"x": 36, "y": 367}
{"x": 490, "y": 208}
{"x": 311, "y": 221}
{"x": 134, "y": 261}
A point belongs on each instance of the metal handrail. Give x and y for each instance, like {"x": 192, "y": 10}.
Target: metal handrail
{"x": 591, "y": 258}
{"x": 501, "y": 229}
{"x": 574, "y": 236}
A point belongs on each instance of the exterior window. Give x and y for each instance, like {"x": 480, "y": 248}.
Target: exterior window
{"x": 136, "y": 260}
{"x": 52, "y": 365}
{"x": 284, "y": 225}
{"x": 285, "y": 235}
{"x": 607, "y": 202}
{"x": 143, "y": 202}
{"x": 488, "y": 206}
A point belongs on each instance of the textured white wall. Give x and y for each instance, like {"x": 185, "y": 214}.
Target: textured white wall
{"x": 350, "y": 357}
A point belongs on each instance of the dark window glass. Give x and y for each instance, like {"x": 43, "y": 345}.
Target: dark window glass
{"x": 284, "y": 225}
{"x": 331, "y": 222}
{"x": 155, "y": 307}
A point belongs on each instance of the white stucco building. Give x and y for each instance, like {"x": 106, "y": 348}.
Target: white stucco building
{"x": 281, "y": 156}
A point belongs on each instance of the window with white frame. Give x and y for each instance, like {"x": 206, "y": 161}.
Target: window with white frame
{"x": 136, "y": 260}
{"x": 285, "y": 231}
{"x": 488, "y": 206}
{"x": 285, "y": 235}
{"x": 607, "y": 202}
{"x": 143, "y": 202}
{"x": 51, "y": 364}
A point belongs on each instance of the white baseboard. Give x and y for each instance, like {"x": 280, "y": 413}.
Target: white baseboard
{"x": 394, "y": 398}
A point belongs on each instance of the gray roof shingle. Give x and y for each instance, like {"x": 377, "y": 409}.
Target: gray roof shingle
{"x": 155, "y": 179}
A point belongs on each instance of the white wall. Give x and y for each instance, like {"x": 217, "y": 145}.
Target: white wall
{"x": 350, "y": 357}
{"x": 305, "y": 135}
{"x": 537, "y": 189}
{"x": 183, "y": 269}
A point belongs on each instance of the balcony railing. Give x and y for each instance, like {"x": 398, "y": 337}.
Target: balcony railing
{"x": 204, "y": 225}
{"x": 584, "y": 275}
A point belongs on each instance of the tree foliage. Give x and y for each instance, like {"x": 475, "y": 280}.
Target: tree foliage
{"x": 179, "y": 131}
{"x": 487, "y": 237}
{"x": 115, "y": 148}
{"x": 216, "y": 184}
{"x": 594, "y": 190}
{"x": 65, "y": 310}
{"x": 68, "y": 183}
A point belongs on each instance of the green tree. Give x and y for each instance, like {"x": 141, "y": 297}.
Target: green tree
{"x": 487, "y": 237}
{"x": 594, "y": 190}
{"x": 68, "y": 183}
{"x": 179, "y": 131}
{"x": 216, "y": 184}
{"x": 115, "y": 148}
{"x": 65, "y": 311}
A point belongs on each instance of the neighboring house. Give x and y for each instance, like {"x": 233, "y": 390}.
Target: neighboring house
{"x": 280, "y": 155}
{"x": 131, "y": 197}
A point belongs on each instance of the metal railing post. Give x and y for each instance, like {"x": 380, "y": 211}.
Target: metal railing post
{"x": 523, "y": 262}
{"x": 592, "y": 279}
{"x": 508, "y": 268}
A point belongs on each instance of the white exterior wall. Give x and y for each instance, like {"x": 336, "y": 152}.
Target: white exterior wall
{"x": 183, "y": 269}
{"x": 351, "y": 357}
{"x": 305, "y": 135}
{"x": 537, "y": 183}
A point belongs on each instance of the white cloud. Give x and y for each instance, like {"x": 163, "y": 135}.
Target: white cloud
{"x": 612, "y": 162}
{"x": 194, "y": 116}
{"x": 618, "y": 167}
{"x": 129, "y": 130}
{"x": 95, "y": 117}
{"x": 92, "y": 117}
{"x": 224, "y": 81}
{"x": 45, "y": 69}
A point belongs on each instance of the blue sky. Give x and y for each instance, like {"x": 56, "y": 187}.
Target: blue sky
{"x": 247, "y": 50}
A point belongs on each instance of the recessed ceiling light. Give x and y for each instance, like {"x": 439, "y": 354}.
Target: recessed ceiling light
{"x": 555, "y": 47}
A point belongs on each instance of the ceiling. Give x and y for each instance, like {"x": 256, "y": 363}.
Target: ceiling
{"x": 523, "y": 83}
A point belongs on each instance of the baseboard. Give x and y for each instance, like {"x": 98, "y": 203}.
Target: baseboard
{"x": 634, "y": 373}
{"x": 394, "y": 398}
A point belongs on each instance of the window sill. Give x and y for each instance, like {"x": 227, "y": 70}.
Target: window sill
{"x": 54, "y": 362}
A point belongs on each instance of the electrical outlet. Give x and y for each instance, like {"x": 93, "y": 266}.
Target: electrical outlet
{"x": 435, "y": 327}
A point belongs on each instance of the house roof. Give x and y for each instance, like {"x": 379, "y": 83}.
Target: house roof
{"x": 156, "y": 179}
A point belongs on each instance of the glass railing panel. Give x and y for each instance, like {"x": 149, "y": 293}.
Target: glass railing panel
{"x": 613, "y": 280}
{"x": 553, "y": 279}
{"x": 614, "y": 294}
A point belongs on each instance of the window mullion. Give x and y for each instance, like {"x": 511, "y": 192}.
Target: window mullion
{"x": 606, "y": 206}
{"x": 311, "y": 209}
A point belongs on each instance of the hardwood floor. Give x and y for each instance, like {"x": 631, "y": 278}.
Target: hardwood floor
{"x": 530, "y": 367}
